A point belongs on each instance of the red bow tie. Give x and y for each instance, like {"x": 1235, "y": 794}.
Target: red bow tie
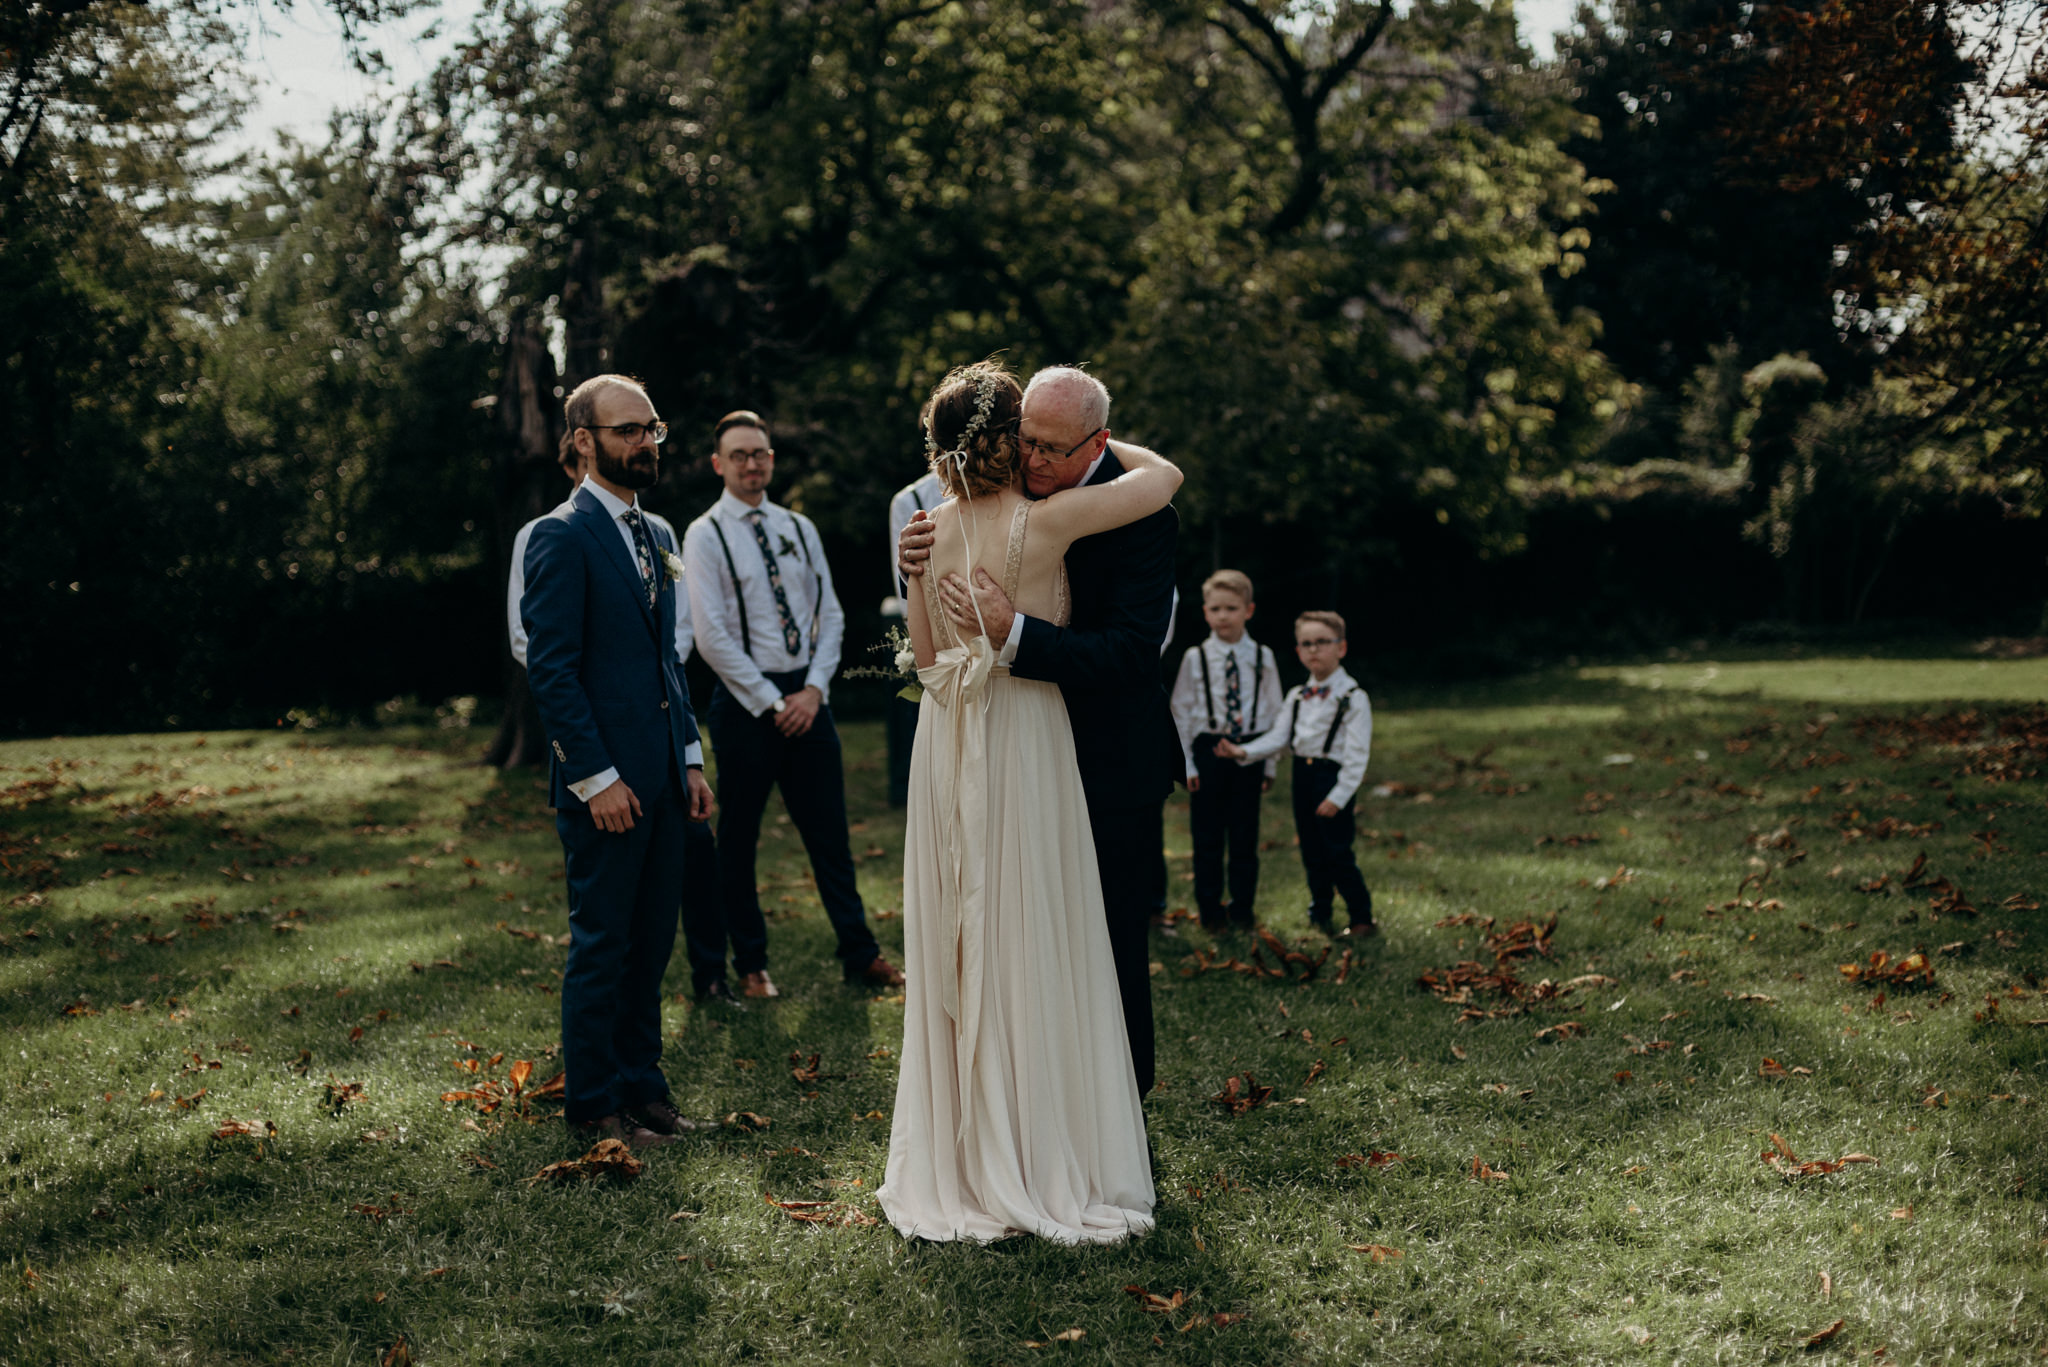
{"x": 1316, "y": 691}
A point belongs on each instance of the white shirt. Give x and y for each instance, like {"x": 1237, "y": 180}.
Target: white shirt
{"x": 1352, "y": 746}
{"x": 717, "y": 603}
{"x": 1196, "y": 712}
{"x": 926, "y": 494}
{"x": 515, "y": 589}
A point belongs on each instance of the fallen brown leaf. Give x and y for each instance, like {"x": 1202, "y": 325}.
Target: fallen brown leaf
{"x": 607, "y": 1158}
{"x": 1380, "y": 1252}
{"x": 1815, "y": 1340}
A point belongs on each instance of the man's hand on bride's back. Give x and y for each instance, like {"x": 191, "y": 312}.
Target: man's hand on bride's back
{"x": 997, "y": 613}
{"x": 914, "y": 546}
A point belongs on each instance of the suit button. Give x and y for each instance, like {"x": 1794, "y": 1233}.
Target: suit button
{"x": 664, "y": 704}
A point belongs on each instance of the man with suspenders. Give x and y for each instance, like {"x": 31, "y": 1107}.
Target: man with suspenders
{"x": 769, "y": 625}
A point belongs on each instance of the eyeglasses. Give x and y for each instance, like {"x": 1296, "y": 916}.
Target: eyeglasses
{"x": 633, "y": 431}
{"x": 1317, "y": 644}
{"x": 1044, "y": 451}
{"x": 760, "y": 456}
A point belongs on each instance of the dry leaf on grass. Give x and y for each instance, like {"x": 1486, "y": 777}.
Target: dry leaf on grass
{"x": 398, "y": 1355}
{"x": 1380, "y": 1252}
{"x": 1815, "y": 1340}
{"x": 1157, "y": 1305}
{"x": 1241, "y": 1094}
{"x": 1781, "y": 1157}
{"x": 1882, "y": 968}
{"x": 1636, "y": 1332}
{"x": 746, "y": 1120}
{"x": 1373, "y": 1158}
{"x": 1485, "y": 1173}
{"x": 820, "y": 1212}
{"x": 246, "y": 1129}
{"x": 607, "y": 1158}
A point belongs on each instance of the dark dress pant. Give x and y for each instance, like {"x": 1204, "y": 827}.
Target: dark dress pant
{"x": 1224, "y": 812}
{"x": 1127, "y": 844}
{"x": 1326, "y": 844}
{"x": 703, "y": 911}
{"x": 624, "y": 889}
{"x": 754, "y": 759}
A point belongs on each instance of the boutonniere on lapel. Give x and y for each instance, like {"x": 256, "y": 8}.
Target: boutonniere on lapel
{"x": 788, "y": 546}
{"x": 673, "y": 563}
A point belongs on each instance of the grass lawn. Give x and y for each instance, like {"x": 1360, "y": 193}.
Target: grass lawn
{"x": 326, "y": 931}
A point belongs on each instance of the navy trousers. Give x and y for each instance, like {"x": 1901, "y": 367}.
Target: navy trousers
{"x": 1326, "y": 854}
{"x": 1224, "y": 811}
{"x": 753, "y": 759}
{"x": 703, "y": 911}
{"x": 1128, "y": 840}
{"x": 623, "y": 893}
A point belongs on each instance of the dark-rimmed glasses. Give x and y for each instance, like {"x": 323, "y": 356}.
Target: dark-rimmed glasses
{"x": 1319, "y": 643}
{"x": 633, "y": 431}
{"x": 1039, "y": 450}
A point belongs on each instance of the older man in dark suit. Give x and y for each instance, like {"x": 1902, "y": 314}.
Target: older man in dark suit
{"x": 1106, "y": 662}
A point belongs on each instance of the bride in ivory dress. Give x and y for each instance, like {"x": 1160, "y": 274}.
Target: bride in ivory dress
{"x": 1016, "y": 1105}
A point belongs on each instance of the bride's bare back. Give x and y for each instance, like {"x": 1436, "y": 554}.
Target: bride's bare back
{"x": 1030, "y": 569}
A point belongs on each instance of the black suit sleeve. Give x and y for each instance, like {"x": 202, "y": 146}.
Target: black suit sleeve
{"x": 1121, "y": 652}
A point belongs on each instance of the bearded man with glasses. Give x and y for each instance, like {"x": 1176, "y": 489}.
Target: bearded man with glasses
{"x": 1105, "y": 660}
{"x": 625, "y": 772}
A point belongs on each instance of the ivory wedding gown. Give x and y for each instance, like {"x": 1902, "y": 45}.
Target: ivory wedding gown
{"x": 1016, "y": 1105}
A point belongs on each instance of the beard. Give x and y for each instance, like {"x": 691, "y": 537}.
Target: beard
{"x": 638, "y": 469}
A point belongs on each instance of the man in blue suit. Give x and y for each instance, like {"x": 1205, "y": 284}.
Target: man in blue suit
{"x": 625, "y": 769}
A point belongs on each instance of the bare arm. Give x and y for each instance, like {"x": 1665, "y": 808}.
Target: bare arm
{"x": 1146, "y": 485}
{"x": 920, "y": 626}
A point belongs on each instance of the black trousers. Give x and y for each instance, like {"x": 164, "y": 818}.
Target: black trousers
{"x": 1326, "y": 855}
{"x": 703, "y": 911}
{"x": 1128, "y": 840}
{"x": 1224, "y": 811}
{"x": 753, "y": 759}
{"x": 902, "y": 732}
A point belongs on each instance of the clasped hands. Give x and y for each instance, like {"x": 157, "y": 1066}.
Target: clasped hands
{"x": 615, "y": 808}
{"x": 997, "y": 614}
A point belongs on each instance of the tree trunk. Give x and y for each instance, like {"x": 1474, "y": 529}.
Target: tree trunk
{"x": 529, "y": 419}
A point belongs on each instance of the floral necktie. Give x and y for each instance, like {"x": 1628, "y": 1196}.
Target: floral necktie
{"x": 1233, "y": 696}
{"x": 643, "y": 548}
{"x": 792, "y": 639}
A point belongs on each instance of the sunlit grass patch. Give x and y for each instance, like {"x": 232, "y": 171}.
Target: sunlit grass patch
{"x": 328, "y": 931}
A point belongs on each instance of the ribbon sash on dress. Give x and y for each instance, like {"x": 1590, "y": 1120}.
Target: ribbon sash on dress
{"x": 957, "y": 681}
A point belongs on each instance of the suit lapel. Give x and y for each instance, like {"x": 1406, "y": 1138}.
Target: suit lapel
{"x": 596, "y": 524}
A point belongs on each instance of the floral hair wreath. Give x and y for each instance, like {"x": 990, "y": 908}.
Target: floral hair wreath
{"x": 984, "y": 404}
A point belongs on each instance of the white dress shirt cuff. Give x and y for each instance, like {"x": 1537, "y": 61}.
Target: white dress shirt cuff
{"x": 693, "y": 755}
{"x": 1341, "y": 794}
{"x": 1008, "y": 654}
{"x": 595, "y": 784}
{"x": 820, "y": 679}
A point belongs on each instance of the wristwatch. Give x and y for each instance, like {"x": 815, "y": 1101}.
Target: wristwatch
{"x": 778, "y": 705}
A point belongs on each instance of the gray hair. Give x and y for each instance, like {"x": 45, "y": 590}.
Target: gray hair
{"x": 580, "y": 408}
{"x": 1075, "y": 387}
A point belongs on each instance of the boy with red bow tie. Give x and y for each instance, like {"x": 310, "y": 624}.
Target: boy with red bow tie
{"x": 1327, "y": 723}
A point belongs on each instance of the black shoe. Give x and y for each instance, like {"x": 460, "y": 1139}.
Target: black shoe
{"x": 628, "y": 1131}
{"x": 661, "y": 1116}
{"x": 721, "y": 992}
{"x": 1321, "y": 923}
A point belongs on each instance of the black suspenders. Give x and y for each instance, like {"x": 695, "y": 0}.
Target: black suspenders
{"x": 1260, "y": 658}
{"x": 732, "y": 572}
{"x": 1336, "y": 724}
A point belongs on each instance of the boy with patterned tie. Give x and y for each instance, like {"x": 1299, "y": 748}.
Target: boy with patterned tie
{"x": 1327, "y": 723}
{"x": 1228, "y": 690}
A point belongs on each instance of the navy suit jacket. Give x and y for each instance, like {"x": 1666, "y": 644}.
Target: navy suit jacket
{"x": 1106, "y": 661}
{"x": 602, "y": 666}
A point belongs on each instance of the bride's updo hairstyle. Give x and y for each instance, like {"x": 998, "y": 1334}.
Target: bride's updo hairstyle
{"x": 970, "y": 425}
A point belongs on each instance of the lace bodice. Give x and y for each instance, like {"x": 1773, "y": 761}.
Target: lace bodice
{"x": 943, "y": 634}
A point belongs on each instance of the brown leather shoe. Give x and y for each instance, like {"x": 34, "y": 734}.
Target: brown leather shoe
{"x": 627, "y": 1130}
{"x": 880, "y": 973}
{"x": 758, "y": 985}
{"x": 661, "y": 1116}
